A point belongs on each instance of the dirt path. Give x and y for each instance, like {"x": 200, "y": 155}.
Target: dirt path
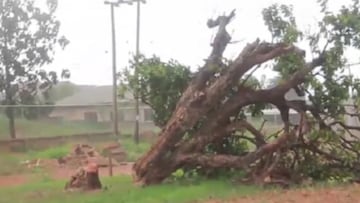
{"x": 348, "y": 194}
{"x": 58, "y": 173}
{"x": 13, "y": 180}
{"x": 65, "y": 173}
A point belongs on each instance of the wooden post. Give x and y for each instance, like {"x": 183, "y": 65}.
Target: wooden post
{"x": 110, "y": 164}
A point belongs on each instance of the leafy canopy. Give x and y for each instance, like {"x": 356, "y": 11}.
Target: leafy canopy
{"x": 329, "y": 86}
{"x": 160, "y": 84}
{"x": 28, "y": 39}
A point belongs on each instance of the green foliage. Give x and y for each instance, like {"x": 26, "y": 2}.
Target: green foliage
{"x": 341, "y": 31}
{"x": 337, "y": 31}
{"x": 229, "y": 145}
{"x": 134, "y": 151}
{"x": 54, "y": 94}
{"x": 186, "y": 176}
{"x": 281, "y": 23}
{"x": 28, "y": 39}
{"x": 32, "y": 113}
{"x": 327, "y": 87}
{"x": 51, "y": 153}
{"x": 160, "y": 84}
{"x": 282, "y": 26}
{"x": 62, "y": 90}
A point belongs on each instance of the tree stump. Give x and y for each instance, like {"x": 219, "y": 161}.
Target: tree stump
{"x": 86, "y": 178}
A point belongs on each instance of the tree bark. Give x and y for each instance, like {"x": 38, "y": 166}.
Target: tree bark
{"x": 8, "y": 92}
{"x": 11, "y": 117}
{"x": 202, "y": 98}
{"x": 85, "y": 178}
{"x": 10, "y": 101}
{"x": 193, "y": 105}
{"x": 229, "y": 161}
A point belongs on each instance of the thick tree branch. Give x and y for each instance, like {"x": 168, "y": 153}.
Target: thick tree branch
{"x": 245, "y": 97}
{"x": 259, "y": 137}
{"x": 214, "y": 62}
{"x": 227, "y": 161}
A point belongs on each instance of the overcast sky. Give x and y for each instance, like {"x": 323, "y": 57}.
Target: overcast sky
{"x": 169, "y": 28}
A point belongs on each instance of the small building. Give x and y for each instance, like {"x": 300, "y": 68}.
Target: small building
{"x": 94, "y": 103}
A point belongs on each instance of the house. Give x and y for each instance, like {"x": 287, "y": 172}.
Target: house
{"x": 272, "y": 115}
{"x": 94, "y": 103}
{"x": 351, "y": 109}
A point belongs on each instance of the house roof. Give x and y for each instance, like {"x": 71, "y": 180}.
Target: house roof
{"x": 91, "y": 95}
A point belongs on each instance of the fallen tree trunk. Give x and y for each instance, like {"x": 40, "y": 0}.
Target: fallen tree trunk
{"x": 207, "y": 114}
{"x": 195, "y": 103}
{"x": 188, "y": 112}
{"x": 229, "y": 161}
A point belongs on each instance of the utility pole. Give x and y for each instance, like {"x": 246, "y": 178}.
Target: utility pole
{"x": 350, "y": 75}
{"x": 115, "y": 104}
{"x": 137, "y": 117}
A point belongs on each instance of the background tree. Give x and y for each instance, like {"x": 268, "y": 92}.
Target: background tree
{"x": 62, "y": 90}
{"x": 160, "y": 85}
{"x": 28, "y": 38}
{"x": 211, "y": 109}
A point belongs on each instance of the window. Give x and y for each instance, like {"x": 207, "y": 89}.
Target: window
{"x": 90, "y": 116}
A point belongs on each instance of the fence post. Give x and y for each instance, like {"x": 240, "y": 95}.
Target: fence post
{"x": 110, "y": 163}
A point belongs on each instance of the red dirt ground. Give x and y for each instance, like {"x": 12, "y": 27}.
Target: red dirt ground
{"x": 65, "y": 173}
{"x": 60, "y": 174}
{"x": 13, "y": 180}
{"x": 348, "y": 194}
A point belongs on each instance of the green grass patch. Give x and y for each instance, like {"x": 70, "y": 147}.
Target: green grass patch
{"x": 122, "y": 190}
{"x": 10, "y": 164}
{"x": 50, "y": 153}
{"x": 47, "y": 128}
{"x": 40, "y": 128}
{"x": 134, "y": 151}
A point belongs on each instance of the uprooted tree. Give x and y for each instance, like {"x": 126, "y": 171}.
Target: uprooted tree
{"x": 208, "y": 121}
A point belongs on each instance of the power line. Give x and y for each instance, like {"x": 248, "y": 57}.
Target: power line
{"x": 352, "y": 64}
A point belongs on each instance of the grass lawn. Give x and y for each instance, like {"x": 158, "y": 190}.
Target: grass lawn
{"x": 43, "y": 189}
{"x": 10, "y": 162}
{"x": 122, "y": 190}
{"x": 43, "y": 128}
{"x": 32, "y": 128}
{"x": 134, "y": 151}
